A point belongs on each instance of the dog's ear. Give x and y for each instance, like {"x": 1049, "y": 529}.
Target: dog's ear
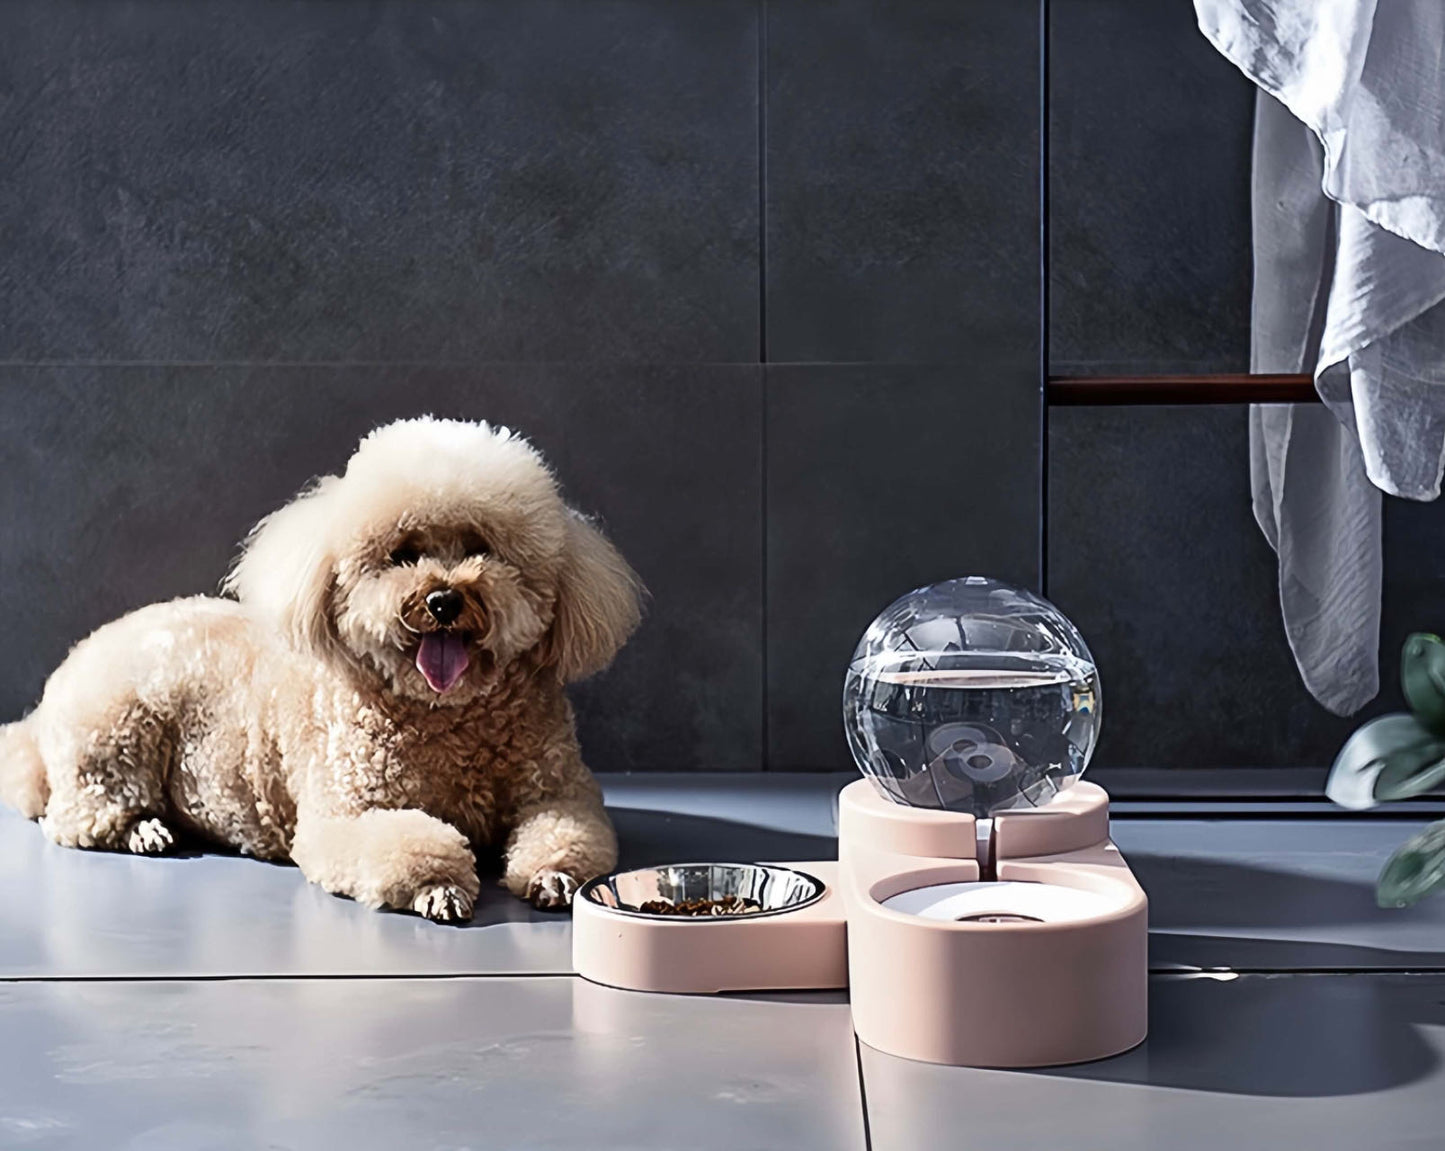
{"x": 599, "y": 603}
{"x": 286, "y": 569}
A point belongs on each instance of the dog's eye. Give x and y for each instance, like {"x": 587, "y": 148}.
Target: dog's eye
{"x": 476, "y": 546}
{"x": 405, "y": 554}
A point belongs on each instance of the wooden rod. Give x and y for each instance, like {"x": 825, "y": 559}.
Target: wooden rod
{"x": 1089, "y": 391}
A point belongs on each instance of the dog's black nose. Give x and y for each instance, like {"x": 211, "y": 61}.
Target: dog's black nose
{"x": 445, "y": 605}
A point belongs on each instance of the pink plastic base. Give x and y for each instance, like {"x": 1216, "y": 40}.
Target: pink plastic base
{"x": 793, "y": 951}
{"x": 993, "y": 994}
{"x": 1016, "y": 994}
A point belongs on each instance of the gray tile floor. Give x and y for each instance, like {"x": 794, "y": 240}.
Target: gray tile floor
{"x": 208, "y": 1002}
{"x": 1325, "y": 1062}
{"x": 419, "y": 1063}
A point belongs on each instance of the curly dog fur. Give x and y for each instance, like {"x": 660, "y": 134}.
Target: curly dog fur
{"x": 384, "y": 694}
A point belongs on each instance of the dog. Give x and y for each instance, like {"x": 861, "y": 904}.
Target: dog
{"x": 380, "y": 694}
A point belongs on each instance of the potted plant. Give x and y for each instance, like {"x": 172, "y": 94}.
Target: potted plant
{"x": 1397, "y": 756}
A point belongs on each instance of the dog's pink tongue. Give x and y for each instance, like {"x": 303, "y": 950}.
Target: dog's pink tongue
{"x": 442, "y": 658}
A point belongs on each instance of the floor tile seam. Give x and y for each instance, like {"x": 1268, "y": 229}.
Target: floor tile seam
{"x": 1174, "y": 971}
{"x": 1223, "y": 972}
{"x": 863, "y": 1093}
{"x": 289, "y": 977}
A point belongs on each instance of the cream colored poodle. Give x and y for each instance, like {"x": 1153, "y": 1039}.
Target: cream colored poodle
{"x": 386, "y": 695}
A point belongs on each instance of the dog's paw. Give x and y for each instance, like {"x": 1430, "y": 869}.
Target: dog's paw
{"x": 551, "y": 890}
{"x": 443, "y": 903}
{"x": 149, "y": 837}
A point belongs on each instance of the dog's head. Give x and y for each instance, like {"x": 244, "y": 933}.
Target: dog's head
{"x": 441, "y": 555}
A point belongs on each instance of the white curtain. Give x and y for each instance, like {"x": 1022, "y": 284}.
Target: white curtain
{"x": 1349, "y": 244}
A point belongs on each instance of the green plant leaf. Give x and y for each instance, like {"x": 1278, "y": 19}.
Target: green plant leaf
{"x": 1411, "y": 771}
{"x": 1415, "y": 870}
{"x": 1422, "y": 678}
{"x": 1365, "y": 755}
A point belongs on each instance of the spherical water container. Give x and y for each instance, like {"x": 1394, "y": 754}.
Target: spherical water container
{"x": 973, "y": 696}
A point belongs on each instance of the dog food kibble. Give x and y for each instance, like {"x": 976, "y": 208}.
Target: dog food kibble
{"x": 727, "y": 905}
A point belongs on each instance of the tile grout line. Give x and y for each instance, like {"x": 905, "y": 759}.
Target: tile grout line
{"x": 1225, "y": 973}
{"x": 763, "y": 755}
{"x": 293, "y": 977}
{"x": 863, "y": 1093}
{"x": 1044, "y": 273}
{"x": 1220, "y": 973}
{"x": 762, "y": 99}
{"x": 463, "y": 365}
{"x": 1151, "y": 811}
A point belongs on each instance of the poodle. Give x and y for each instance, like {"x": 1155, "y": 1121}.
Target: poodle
{"x": 384, "y": 694}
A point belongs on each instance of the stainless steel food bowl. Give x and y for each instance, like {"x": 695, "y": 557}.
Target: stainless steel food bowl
{"x": 777, "y": 889}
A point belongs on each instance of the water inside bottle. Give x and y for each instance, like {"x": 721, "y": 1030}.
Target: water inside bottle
{"x": 973, "y": 731}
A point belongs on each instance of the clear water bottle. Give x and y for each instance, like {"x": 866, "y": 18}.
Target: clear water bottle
{"x": 973, "y": 696}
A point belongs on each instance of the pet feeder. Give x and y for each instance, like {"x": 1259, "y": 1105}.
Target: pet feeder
{"x": 978, "y": 913}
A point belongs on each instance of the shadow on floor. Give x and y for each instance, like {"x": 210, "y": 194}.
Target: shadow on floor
{"x": 1189, "y": 891}
{"x": 1280, "y": 1035}
{"x": 1188, "y": 896}
{"x": 1176, "y": 951}
{"x": 647, "y": 838}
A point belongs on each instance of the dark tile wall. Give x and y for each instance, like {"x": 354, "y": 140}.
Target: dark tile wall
{"x": 419, "y": 180}
{"x": 902, "y": 326}
{"x": 902, "y": 180}
{"x": 1153, "y": 547}
{"x": 236, "y": 235}
{"x": 1149, "y": 159}
{"x": 1154, "y": 553}
{"x": 933, "y": 474}
{"x": 131, "y": 484}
